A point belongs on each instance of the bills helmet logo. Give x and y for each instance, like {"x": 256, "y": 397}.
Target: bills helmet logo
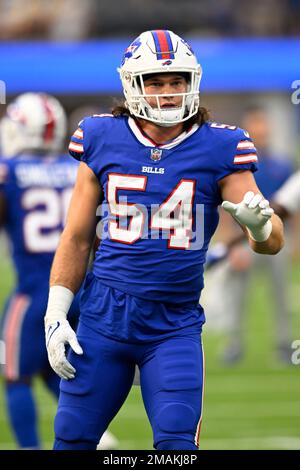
{"x": 131, "y": 50}
{"x": 156, "y": 155}
{"x": 167, "y": 62}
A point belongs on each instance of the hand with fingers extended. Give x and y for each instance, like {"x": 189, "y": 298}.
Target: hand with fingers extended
{"x": 254, "y": 212}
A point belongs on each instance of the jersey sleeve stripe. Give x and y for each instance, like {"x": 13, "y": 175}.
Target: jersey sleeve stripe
{"x": 76, "y": 147}
{"x": 78, "y": 134}
{"x": 244, "y": 162}
{"x": 245, "y": 145}
{"x": 247, "y": 158}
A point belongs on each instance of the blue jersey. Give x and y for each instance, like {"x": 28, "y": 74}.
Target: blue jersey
{"x": 273, "y": 173}
{"x": 162, "y": 202}
{"x": 37, "y": 192}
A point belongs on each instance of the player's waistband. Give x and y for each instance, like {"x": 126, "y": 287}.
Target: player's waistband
{"x": 120, "y": 315}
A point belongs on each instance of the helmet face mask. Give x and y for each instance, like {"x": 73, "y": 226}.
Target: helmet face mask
{"x": 34, "y": 122}
{"x": 155, "y": 53}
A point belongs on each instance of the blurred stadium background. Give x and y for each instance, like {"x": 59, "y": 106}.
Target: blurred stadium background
{"x": 250, "y": 55}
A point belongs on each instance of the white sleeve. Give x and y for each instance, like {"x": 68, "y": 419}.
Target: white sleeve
{"x": 288, "y": 196}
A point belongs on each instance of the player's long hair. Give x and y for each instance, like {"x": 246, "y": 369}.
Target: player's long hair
{"x": 199, "y": 118}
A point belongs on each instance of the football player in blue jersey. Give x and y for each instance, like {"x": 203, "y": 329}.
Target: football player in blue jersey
{"x": 160, "y": 169}
{"x": 36, "y": 182}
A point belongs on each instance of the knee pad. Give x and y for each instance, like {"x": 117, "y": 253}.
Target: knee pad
{"x": 176, "y": 444}
{"x": 176, "y": 418}
{"x": 77, "y": 424}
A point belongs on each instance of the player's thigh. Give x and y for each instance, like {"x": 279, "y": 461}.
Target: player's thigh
{"x": 104, "y": 376}
{"x": 172, "y": 387}
{"x": 23, "y": 334}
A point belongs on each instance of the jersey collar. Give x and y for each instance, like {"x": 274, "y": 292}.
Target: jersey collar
{"x": 145, "y": 140}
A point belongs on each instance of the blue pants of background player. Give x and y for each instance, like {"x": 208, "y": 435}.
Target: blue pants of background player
{"x": 171, "y": 374}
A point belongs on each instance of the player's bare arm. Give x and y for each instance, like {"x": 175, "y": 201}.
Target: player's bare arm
{"x": 72, "y": 255}
{"x": 233, "y": 188}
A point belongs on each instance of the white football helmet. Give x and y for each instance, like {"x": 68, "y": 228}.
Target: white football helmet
{"x": 33, "y": 122}
{"x": 158, "y": 52}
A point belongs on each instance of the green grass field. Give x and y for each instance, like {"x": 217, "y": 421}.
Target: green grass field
{"x": 255, "y": 405}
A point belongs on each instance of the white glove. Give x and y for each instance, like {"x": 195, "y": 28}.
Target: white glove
{"x": 254, "y": 212}
{"x": 59, "y": 332}
{"x": 57, "y": 335}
